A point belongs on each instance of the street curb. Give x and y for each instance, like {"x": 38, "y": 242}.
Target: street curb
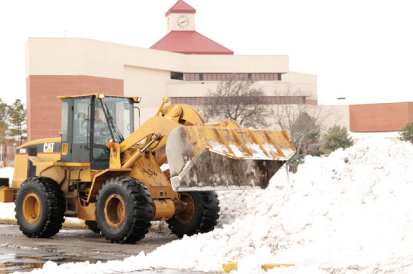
{"x": 65, "y": 224}
{"x": 234, "y": 266}
{"x": 8, "y": 221}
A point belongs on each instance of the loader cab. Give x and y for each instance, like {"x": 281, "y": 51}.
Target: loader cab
{"x": 88, "y": 122}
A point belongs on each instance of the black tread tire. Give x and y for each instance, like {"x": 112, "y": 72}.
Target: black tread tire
{"x": 93, "y": 226}
{"x": 138, "y": 210}
{"x": 52, "y": 204}
{"x": 206, "y": 214}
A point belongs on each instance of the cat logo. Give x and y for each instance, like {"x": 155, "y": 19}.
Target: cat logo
{"x": 48, "y": 147}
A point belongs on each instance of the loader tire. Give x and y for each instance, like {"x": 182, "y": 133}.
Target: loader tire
{"x": 123, "y": 210}
{"x": 200, "y": 217}
{"x": 93, "y": 226}
{"x": 40, "y": 207}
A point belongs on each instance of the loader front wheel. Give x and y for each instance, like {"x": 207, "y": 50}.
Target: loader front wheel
{"x": 200, "y": 214}
{"x": 40, "y": 207}
{"x": 123, "y": 210}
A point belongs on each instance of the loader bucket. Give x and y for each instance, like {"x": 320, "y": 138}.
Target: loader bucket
{"x": 213, "y": 158}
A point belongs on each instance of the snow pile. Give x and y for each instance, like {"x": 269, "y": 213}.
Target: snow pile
{"x": 352, "y": 209}
{"x": 351, "y": 212}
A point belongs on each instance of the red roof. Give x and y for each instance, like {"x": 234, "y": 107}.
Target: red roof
{"x": 190, "y": 42}
{"x": 180, "y": 7}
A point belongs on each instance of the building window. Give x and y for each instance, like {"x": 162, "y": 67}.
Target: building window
{"x": 262, "y": 100}
{"x": 232, "y": 76}
{"x": 177, "y": 75}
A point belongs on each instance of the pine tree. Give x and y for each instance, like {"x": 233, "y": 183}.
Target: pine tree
{"x": 335, "y": 138}
{"x": 17, "y": 118}
{"x": 406, "y": 133}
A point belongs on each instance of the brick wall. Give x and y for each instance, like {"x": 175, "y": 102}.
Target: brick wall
{"x": 43, "y": 106}
{"x": 380, "y": 117}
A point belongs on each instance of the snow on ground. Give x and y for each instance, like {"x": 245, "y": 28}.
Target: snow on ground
{"x": 351, "y": 212}
{"x": 392, "y": 135}
{"x": 7, "y": 211}
{"x": 7, "y": 172}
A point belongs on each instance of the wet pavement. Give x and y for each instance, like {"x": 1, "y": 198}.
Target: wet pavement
{"x": 19, "y": 253}
{"x": 12, "y": 260}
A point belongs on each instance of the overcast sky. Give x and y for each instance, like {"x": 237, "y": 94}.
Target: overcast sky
{"x": 360, "y": 50}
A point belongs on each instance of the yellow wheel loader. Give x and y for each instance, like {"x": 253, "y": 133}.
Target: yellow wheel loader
{"x": 119, "y": 179}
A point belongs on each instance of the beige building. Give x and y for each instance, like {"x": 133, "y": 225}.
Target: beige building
{"x": 183, "y": 65}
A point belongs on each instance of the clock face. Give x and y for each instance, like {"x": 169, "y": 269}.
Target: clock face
{"x": 183, "y": 21}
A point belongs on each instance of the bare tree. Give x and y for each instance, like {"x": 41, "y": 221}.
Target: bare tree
{"x": 236, "y": 100}
{"x": 302, "y": 121}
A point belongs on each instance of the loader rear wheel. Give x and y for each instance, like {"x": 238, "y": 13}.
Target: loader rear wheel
{"x": 199, "y": 216}
{"x": 40, "y": 207}
{"x": 123, "y": 210}
{"x": 93, "y": 226}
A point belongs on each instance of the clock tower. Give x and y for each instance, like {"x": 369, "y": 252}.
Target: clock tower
{"x": 181, "y": 17}
{"x": 181, "y": 36}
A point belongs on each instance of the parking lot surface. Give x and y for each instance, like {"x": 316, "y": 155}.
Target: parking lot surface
{"x": 19, "y": 253}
